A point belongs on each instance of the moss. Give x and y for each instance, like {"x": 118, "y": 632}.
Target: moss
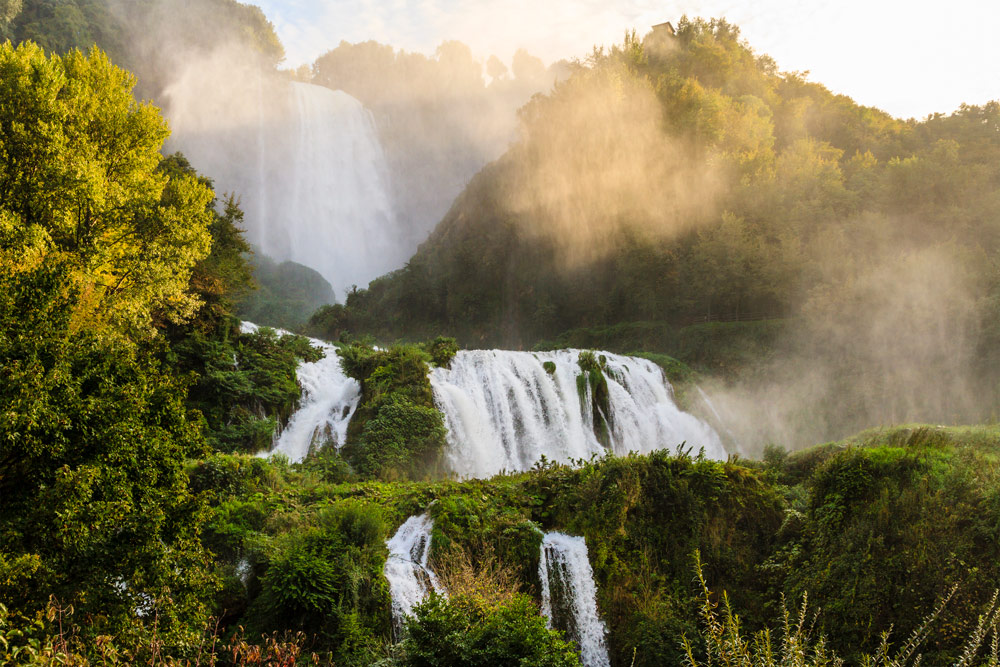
{"x": 550, "y": 367}
{"x": 592, "y": 376}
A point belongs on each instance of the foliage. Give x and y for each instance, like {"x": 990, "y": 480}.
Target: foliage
{"x": 224, "y": 277}
{"x": 52, "y": 639}
{"x": 60, "y": 26}
{"x": 246, "y": 383}
{"x": 724, "y": 641}
{"x": 887, "y": 530}
{"x": 396, "y": 432}
{"x": 462, "y": 631}
{"x": 442, "y": 350}
{"x": 79, "y": 158}
{"x": 96, "y": 510}
{"x": 402, "y": 438}
{"x": 327, "y": 579}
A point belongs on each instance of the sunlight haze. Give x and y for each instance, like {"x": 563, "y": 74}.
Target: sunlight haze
{"x": 910, "y": 59}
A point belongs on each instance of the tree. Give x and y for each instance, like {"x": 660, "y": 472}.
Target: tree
{"x": 96, "y": 509}
{"x": 9, "y": 9}
{"x": 79, "y": 181}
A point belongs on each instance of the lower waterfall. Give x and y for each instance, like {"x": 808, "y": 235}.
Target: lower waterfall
{"x": 505, "y": 410}
{"x": 410, "y": 577}
{"x": 329, "y": 399}
{"x": 569, "y": 596}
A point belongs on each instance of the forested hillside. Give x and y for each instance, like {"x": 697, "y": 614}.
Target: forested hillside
{"x": 707, "y": 184}
{"x": 685, "y": 180}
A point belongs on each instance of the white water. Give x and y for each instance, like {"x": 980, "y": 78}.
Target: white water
{"x": 329, "y": 399}
{"x": 306, "y": 163}
{"x": 503, "y": 411}
{"x": 330, "y": 208}
{"x": 410, "y": 578}
{"x": 569, "y": 596}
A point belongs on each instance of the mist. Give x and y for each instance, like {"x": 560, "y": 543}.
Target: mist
{"x": 345, "y": 166}
{"x": 894, "y": 337}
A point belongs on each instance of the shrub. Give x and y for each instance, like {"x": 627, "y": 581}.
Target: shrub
{"x": 327, "y": 579}
{"x": 402, "y": 440}
{"x": 588, "y": 361}
{"x": 465, "y": 632}
{"x": 442, "y": 351}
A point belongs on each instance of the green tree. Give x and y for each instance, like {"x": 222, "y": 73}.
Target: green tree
{"x": 9, "y": 9}
{"x": 93, "y": 437}
{"x": 79, "y": 181}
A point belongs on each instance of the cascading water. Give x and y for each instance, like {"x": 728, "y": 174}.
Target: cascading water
{"x": 306, "y": 162}
{"x": 330, "y": 209}
{"x": 569, "y": 596}
{"x": 329, "y": 399}
{"x": 410, "y": 578}
{"x": 504, "y": 411}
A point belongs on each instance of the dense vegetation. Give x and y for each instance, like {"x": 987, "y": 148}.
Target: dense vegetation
{"x": 119, "y": 271}
{"x": 133, "y": 32}
{"x": 876, "y": 530}
{"x": 684, "y": 181}
{"x": 136, "y": 526}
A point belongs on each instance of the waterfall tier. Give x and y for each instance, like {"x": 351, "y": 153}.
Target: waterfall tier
{"x": 306, "y": 163}
{"x": 329, "y": 399}
{"x": 410, "y": 577}
{"x": 504, "y": 410}
{"x": 569, "y": 596}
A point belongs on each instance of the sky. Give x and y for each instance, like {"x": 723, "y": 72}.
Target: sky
{"x": 908, "y": 57}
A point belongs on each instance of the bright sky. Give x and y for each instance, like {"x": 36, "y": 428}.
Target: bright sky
{"x": 909, "y": 57}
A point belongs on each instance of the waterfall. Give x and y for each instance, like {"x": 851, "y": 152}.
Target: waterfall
{"x": 329, "y": 208}
{"x": 569, "y": 596}
{"x": 410, "y": 578}
{"x": 504, "y": 411}
{"x": 305, "y": 161}
{"x": 329, "y": 399}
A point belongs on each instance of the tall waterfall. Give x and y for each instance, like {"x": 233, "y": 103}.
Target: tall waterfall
{"x": 569, "y": 596}
{"x": 504, "y": 411}
{"x": 410, "y": 578}
{"x": 327, "y": 201}
{"x": 306, "y": 162}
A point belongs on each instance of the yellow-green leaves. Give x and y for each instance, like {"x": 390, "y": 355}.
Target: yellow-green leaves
{"x": 78, "y": 178}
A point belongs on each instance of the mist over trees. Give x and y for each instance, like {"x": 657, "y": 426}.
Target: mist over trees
{"x": 439, "y": 118}
{"x": 683, "y": 179}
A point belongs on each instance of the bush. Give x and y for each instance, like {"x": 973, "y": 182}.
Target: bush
{"x": 396, "y": 432}
{"x": 442, "y": 351}
{"x": 403, "y": 440}
{"x": 327, "y": 579}
{"x": 463, "y": 632}
{"x": 588, "y": 361}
